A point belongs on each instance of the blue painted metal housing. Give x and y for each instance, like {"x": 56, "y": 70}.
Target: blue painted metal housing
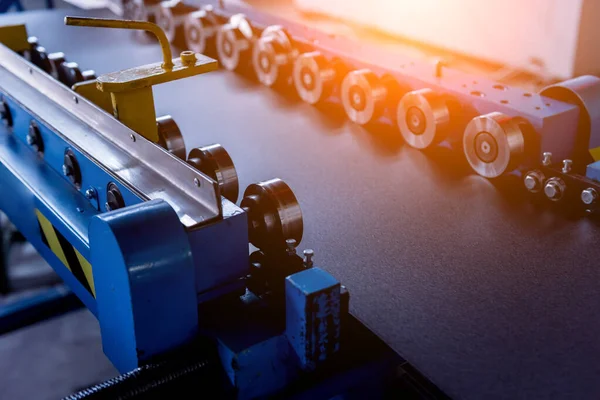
{"x": 218, "y": 253}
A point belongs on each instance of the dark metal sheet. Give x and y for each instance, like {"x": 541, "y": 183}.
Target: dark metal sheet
{"x": 487, "y": 294}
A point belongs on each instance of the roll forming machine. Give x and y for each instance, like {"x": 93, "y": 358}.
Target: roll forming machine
{"x": 150, "y": 239}
{"x": 551, "y": 138}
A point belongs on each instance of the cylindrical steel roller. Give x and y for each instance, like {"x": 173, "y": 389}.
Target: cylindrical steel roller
{"x": 56, "y": 60}
{"x": 274, "y": 215}
{"x": 88, "y": 75}
{"x": 234, "y": 42}
{"x": 198, "y": 27}
{"x": 214, "y": 161}
{"x": 363, "y": 96}
{"x": 494, "y": 144}
{"x": 423, "y": 118}
{"x": 69, "y": 73}
{"x": 170, "y": 137}
{"x": 272, "y": 56}
{"x": 314, "y": 77}
{"x": 39, "y": 57}
{"x": 171, "y": 16}
{"x": 583, "y": 91}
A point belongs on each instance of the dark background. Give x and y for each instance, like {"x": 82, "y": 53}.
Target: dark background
{"x": 488, "y": 294}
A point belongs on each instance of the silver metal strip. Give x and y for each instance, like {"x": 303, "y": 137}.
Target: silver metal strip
{"x": 141, "y": 165}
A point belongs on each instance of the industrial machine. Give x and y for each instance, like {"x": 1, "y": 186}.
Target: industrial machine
{"x": 501, "y": 129}
{"x": 150, "y": 239}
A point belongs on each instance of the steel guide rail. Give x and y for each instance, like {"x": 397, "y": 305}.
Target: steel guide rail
{"x": 501, "y": 129}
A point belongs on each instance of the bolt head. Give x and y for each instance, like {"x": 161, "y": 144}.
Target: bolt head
{"x": 547, "y": 158}
{"x": 589, "y": 196}
{"x": 531, "y": 182}
{"x": 90, "y": 193}
{"x": 554, "y": 189}
{"x": 308, "y": 253}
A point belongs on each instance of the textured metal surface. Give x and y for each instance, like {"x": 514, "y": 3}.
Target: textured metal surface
{"x": 486, "y": 294}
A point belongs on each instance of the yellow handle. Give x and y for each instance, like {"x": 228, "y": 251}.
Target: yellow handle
{"x": 127, "y": 24}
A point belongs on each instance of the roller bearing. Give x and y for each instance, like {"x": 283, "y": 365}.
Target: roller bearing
{"x": 234, "y": 42}
{"x": 363, "y": 96}
{"x": 494, "y": 144}
{"x": 423, "y": 118}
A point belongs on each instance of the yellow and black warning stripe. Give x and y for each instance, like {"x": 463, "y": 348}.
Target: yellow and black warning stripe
{"x": 66, "y": 253}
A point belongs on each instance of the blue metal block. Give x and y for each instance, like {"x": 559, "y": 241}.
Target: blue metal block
{"x": 260, "y": 369}
{"x": 220, "y": 251}
{"x": 593, "y": 171}
{"x": 313, "y": 315}
{"x": 144, "y": 277}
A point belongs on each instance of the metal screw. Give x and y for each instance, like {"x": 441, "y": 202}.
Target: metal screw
{"x": 132, "y": 137}
{"x": 589, "y": 196}
{"x": 197, "y": 182}
{"x": 554, "y": 189}
{"x": 547, "y": 160}
{"x": 291, "y": 246}
{"x": 90, "y": 193}
{"x": 533, "y": 181}
{"x": 308, "y": 255}
{"x": 567, "y": 164}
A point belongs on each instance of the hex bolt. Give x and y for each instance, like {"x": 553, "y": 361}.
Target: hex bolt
{"x": 567, "y": 165}
{"x": 34, "y": 138}
{"x": 589, "y": 196}
{"x": 291, "y": 246}
{"x": 547, "y": 160}
{"x": 555, "y": 189}
{"x": 534, "y": 181}
{"x": 5, "y": 114}
{"x": 308, "y": 255}
{"x": 188, "y": 58}
{"x": 90, "y": 193}
{"x": 71, "y": 168}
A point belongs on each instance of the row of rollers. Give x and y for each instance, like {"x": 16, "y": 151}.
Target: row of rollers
{"x": 273, "y": 209}
{"x": 494, "y": 144}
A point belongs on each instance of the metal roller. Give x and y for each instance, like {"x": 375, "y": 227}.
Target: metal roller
{"x": 583, "y": 91}
{"x": 170, "y": 136}
{"x": 39, "y": 57}
{"x": 494, "y": 144}
{"x": 274, "y": 214}
{"x": 56, "y": 60}
{"x": 314, "y": 77}
{"x": 69, "y": 73}
{"x": 363, "y": 96}
{"x": 423, "y": 118}
{"x": 88, "y": 75}
{"x": 214, "y": 161}
{"x": 272, "y": 56}
{"x": 198, "y": 27}
{"x": 171, "y": 16}
{"x": 234, "y": 42}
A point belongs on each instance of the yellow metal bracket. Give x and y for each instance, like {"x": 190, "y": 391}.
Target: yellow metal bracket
{"x": 14, "y": 37}
{"x": 131, "y": 89}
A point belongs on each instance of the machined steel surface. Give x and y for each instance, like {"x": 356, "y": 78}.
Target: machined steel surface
{"x": 144, "y": 167}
